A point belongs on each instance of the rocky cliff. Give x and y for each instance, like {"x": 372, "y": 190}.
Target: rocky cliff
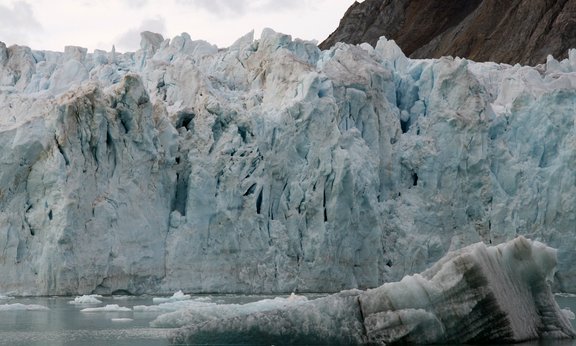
{"x": 515, "y": 31}
{"x": 272, "y": 166}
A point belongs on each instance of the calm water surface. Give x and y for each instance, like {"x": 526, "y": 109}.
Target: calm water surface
{"x": 64, "y": 324}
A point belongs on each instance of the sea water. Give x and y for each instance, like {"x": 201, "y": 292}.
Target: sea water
{"x": 64, "y": 324}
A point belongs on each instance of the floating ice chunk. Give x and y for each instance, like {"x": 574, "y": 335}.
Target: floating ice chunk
{"x": 196, "y": 312}
{"x": 20, "y": 307}
{"x": 122, "y": 320}
{"x": 108, "y": 308}
{"x": 478, "y": 294}
{"x": 4, "y": 297}
{"x": 125, "y": 297}
{"x": 203, "y": 299}
{"x": 175, "y": 297}
{"x": 171, "y": 306}
{"x": 86, "y": 299}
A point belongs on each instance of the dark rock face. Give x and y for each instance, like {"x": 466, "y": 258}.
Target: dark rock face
{"x": 507, "y": 31}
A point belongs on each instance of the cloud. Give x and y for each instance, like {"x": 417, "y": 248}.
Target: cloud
{"x": 136, "y": 3}
{"x": 130, "y": 40}
{"x": 241, "y": 7}
{"x": 18, "y": 23}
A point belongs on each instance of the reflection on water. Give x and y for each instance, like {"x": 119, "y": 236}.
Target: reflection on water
{"x": 65, "y": 325}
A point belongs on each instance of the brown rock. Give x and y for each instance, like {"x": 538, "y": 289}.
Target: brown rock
{"x": 508, "y": 31}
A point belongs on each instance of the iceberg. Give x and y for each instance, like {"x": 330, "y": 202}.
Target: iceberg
{"x": 477, "y": 294}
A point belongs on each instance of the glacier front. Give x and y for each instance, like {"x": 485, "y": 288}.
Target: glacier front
{"x": 477, "y": 294}
{"x": 272, "y": 166}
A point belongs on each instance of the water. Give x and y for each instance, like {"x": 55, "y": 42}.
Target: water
{"x": 64, "y": 324}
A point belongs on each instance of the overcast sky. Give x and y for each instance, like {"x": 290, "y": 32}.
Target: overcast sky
{"x": 53, "y": 24}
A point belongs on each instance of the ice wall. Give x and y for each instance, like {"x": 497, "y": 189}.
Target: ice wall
{"x": 477, "y": 294}
{"x": 272, "y": 166}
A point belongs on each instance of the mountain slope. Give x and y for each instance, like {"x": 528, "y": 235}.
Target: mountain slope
{"x": 515, "y": 31}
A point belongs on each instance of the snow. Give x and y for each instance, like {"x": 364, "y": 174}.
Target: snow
{"x": 497, "y": 294}
{"x": 87, "y": 299}
{"x": 272, "y": 166}
{"x": 22, "y": 307}
{"x": 107, "y": 308}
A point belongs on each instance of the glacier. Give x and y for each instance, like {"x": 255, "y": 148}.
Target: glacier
{"x": 477, "y": 294}
{"x": 271, "y": 166}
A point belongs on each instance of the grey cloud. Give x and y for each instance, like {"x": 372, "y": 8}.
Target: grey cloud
{"x": 18, "y": 23}
{"x": 130, "y": 40}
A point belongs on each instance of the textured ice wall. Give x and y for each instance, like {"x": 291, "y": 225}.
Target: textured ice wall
{"x": 272, "y": 166}
{"x": 477, "y": 294}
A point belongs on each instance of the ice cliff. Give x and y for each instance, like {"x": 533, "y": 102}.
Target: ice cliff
{"x": 478, "y": 294}
{"x": 273, "y": 166}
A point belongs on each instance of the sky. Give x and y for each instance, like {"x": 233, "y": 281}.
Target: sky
{"x": 99, "y": 24}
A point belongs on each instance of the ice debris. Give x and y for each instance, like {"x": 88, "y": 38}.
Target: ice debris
{"x": 87, "y": 299}
{"x": 179, "y": 295}
{"x": 107, "y": 308}
{"x": 122, "y": 320}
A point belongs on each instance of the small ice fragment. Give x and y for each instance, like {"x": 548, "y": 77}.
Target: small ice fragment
{"x": 122, "y": 320}
{"x": 107, "y": 308}
{"x": 87, "y": 299}
{"x": 175, "y": 297}
{"x": 22, "y": 307}
{"x": 203, "y": 299}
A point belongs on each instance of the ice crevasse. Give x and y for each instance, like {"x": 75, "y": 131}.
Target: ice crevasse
{"x": 272, "y": 166}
